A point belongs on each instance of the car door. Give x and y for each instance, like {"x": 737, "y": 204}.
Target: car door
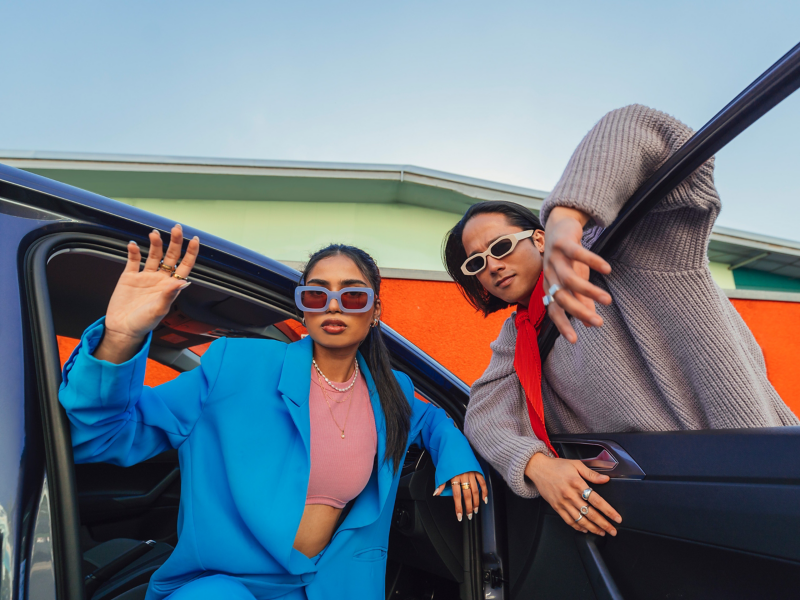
{"x": 707, "y": 514}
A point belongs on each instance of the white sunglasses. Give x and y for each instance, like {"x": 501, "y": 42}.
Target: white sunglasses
{"x": 502, "y": 246}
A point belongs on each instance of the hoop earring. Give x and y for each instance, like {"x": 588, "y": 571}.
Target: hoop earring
{"x": 304, "y": 321}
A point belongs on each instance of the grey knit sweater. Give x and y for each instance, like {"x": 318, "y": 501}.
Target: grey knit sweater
{"x": 672, "y": 354}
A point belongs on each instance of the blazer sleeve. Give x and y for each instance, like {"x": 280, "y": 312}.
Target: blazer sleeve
{"x": 439, "y": 435}
{"x": 115, "y": 418}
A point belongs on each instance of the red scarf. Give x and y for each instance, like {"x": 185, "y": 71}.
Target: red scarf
{"x": 528, "y": 363}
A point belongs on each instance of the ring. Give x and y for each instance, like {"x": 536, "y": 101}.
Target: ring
{"x": 586, "y": 493}
{"x": 584, "y": 510}
{"x": 465, "y": 486}
{"x": 549, "y": 297}
{"x": 176, "y": 276}
{"x": 168, "y": 268}
{"x": 579, "y": 518}
{"x": 454, "y": 483}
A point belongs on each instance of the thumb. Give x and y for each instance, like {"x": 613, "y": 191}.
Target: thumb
{"x": 590, "y": 475}
{"x": 439, "y": 490}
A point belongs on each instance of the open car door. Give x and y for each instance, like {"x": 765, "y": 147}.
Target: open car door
{"x": 707, "y": 514}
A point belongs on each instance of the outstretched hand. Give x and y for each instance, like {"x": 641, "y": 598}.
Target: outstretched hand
{"x": 567, "y": 263}
{"x": 142, "y": 298}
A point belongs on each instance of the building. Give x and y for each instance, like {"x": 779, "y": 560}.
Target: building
{"x": 400, "y": 214}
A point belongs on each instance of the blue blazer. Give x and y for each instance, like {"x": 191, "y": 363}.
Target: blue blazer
{"x": 240, "y": 422}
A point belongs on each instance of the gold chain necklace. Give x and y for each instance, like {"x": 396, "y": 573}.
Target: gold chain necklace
{"x": 349, "y": 406}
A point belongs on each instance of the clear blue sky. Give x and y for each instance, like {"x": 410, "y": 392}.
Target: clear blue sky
{"x": 497, "y": 90}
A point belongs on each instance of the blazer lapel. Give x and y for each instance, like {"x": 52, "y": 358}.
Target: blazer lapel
{"x": 295, "y": 387}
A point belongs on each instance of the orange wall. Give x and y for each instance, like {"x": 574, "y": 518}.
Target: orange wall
{"x": 435, "y": 317}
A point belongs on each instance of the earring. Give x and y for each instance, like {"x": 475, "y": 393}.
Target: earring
{"x": 375, "y": 323}
{"x": 304, "y": 321}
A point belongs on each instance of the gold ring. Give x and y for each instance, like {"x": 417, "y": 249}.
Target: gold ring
{"x": 176, "y": 276}
{"x": 168, "y": 268}
{"x": 465, "y": 486}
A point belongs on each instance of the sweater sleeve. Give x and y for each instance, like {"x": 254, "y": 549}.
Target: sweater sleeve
{"x": 115, "y": 418}
{"x": 497, "y": 421}
{"x": 615, "y": 158}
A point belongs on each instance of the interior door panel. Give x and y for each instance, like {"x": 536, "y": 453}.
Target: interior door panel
{"x": 714, "y": 515}
{"x": 137, "y": 502}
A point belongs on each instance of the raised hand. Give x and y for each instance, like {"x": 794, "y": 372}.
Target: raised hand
{"x": 567, "y": 264}
{"x": 142, "y": 298}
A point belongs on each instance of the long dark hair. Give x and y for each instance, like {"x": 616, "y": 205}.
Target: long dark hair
{"x": 396, "y": 408}
{"x": 454, "y": 254}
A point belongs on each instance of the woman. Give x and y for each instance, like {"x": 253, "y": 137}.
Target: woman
{"x": 274, "y": 440}
{"x": 669, "y": 353}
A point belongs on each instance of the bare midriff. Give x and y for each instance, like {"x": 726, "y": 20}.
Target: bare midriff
{"x": 316, "y": 528}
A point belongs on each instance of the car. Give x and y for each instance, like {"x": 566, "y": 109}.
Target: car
{"x": 707, "y": 513}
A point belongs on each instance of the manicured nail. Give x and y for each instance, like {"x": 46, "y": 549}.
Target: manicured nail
{"x": 134, "y": 243}
{"x": 476, "y": 510}
{"x": 469, "y": 516}
{"x": 618, "y": 519}
{"x": 178, "y": 225}
{"x": 185, "y": 285}
{"x": 197, "y": 238}
{"x": 459, "y": 517}
{"x": 486, "y": 500}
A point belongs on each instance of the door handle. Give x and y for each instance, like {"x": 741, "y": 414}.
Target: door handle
{"x": 604, "y": 456}
{"x": 602, "y": 462}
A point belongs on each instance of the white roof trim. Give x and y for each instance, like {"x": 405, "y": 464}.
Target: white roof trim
{"x": 469, "y": 186}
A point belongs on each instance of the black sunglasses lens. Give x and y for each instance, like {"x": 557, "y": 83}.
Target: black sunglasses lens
{"x": 501, "y": 248}
{"x": 476, "y": 264}
{"x": 314, "y": 299}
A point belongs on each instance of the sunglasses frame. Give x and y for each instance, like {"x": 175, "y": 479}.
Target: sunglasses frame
{"x": 331, "y": 296}
{"x": 515, "y": 238}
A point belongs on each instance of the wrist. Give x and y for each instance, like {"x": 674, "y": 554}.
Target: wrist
{"x": 117, "y": 347}
{"x": 534, "y": 465}
{"x": 560, "y": 213}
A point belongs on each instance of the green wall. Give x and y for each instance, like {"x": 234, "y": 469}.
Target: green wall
{"x": 752, "y": 279}
{"x": 397, "y": 235}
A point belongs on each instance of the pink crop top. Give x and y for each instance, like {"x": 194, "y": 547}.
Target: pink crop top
{"x": 340, "y": 467}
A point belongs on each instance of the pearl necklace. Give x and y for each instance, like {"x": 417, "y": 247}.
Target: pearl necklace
{"x": 352, "y": 383}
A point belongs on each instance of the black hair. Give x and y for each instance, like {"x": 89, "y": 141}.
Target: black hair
{"x": 454, "y": 254}
{"x": 396, "y": 408}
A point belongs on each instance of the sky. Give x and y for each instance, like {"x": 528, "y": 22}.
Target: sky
{"x": 496, "y": 90}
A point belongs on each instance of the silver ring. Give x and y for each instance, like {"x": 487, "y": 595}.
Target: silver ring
{"x": 549, "y": 297}
{"x": 584, "y": 510}
{"x": 579, "y": 518}
{"x": 586, "y": 493}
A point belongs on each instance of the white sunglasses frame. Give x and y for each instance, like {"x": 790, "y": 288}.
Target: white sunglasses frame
{"x": 515, "y": 238}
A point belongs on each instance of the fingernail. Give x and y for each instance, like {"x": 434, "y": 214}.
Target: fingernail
{"x": 178, "y": 225}
{"x": 196, "y": 238}
{"x": 476, "y": 510}
{"x": 459, "y": 517}
{"x": 469, "y": 516}
{"x": 614, "y": 533}
{"x": 185, "y": 285}
{"x": 134, "y": 243}
{"x": 618, "y": 519}
{"x": 486, "y": 500}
